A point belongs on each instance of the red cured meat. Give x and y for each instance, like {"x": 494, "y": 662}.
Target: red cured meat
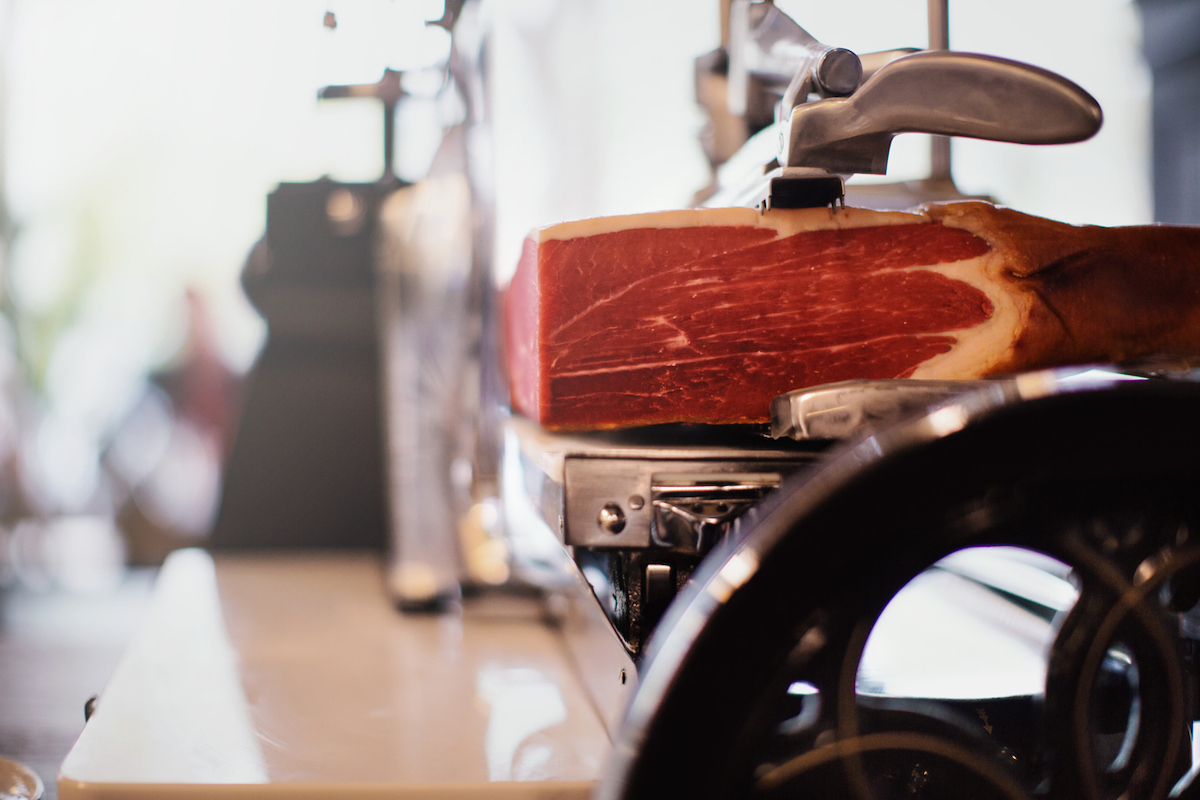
{"x": 631, "y": 324}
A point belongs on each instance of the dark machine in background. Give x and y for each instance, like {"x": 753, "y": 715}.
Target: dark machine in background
{"x": 307, "y": 469}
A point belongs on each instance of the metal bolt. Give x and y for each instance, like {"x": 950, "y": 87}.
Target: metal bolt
{"x": 636, "y": 501}
{"x": 612, "y": 518}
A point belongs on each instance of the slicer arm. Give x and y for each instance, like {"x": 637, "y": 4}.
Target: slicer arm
{"x": 938, "y": 92}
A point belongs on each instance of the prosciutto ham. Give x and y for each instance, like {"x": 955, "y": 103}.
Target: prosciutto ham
{"x": 704, "y": 315}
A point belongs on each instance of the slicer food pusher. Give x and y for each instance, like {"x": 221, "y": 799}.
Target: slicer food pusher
{"x": 837, "y": 113}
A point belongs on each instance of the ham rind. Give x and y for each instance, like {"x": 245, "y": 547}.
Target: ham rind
{"x": 705, "y": 315}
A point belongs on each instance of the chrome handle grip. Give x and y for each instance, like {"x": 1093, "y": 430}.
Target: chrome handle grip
{"x": 938, "y": 92}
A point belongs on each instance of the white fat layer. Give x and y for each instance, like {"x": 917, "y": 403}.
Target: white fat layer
{"x": 785, "y": 222}
{"x": 980, "y": 348}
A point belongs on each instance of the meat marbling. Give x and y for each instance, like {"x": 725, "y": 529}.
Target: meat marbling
{"x": 704, "y": 315}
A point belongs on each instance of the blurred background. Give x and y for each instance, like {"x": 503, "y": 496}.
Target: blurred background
{"x": 139, "y": 140}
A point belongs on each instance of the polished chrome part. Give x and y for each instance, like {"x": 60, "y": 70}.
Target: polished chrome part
{"x": 599, "y": 655}
{"x": 837, "y": 72}
{"x": 591, "y": 484}
{"x": 840, "y": 410}
{"x": 873, "y": 62}
{"x": 940, "y": 168}
{"x": 939, "y": 24}
{"x": 571, "y": 478}
{"x": 693, "y": 512}
{"x": 838, "y": 113}
{"x": 611, "y": 518}
{"x": 767, "y": 46}
{"x": 602, "y": 663}
{"x": 659, "y": 587}
{"x": 940, "y": 92}
{"x": 635, "y": 507}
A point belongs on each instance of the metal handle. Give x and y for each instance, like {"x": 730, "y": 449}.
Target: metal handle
{"x": 938, "y": 92}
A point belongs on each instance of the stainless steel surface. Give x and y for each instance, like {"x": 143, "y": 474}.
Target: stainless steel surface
{"x": 659, "y": 587}
{"x": 940, "y": 168}
{"x": 767, "y": 46}
{"x": 904, "y": 195}
{"x": 939, "y": 24}
{"x": 601, "y": 663}
{"x": 693, "y": 512}
{"x": 898, "y": 91}
{"x": 596, "y": 651}
{"x": 611, "y": 518}
{"x": 636, "y": 509}
{"x": 591, "y": 484}
{"x": 549, "y": 451}
{"x": 571, "y": 478}
{"x": 940, "y": 92}
{"x": 873, "y": 62}
{"x": 837, "y": 72}
{"x": 840, "y": 410}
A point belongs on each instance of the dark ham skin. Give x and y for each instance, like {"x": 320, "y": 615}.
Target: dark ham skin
{"x": 638, "y": 324}
{"x": 1102, "y": 294}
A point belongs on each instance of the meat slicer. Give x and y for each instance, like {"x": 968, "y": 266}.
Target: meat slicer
{"x": 796, "y": 609}
{"x": 742, "y": 571}
{"x": 639, "y": 509}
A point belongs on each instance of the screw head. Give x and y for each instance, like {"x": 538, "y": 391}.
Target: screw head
{"x": 611, "y": 519}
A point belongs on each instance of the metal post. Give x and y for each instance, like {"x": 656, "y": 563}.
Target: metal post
{"x": 939, "y": 24}
{"x": 939, "y": 39}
